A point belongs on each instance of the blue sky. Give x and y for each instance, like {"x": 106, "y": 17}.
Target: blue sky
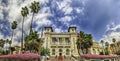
{"x": 101, "y": 18}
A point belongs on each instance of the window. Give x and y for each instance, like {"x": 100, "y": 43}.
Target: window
{"x": 47, "y": 29}
{"x": 60, "y": 50}
{"x": 67, "y": 41}
{"x": 60, "y": 40}
{"x": 72, "y": 29}
{"x": 94, "y": 52}
{"x": 67, "y": 52}
{"x": 53, "y": 51}
{"x": 54, "y": 40}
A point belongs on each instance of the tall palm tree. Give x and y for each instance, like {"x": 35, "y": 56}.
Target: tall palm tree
{"x": 107, "y": 47}
{"x": 14, "y": 26}
{"x": 9, "y": 42}
{"x": 88, "y": 42}
{"x": 84, "y": 42}
{"x": 80, "y": 34}
{"x": 24, "y": 13}
{"x": 102, "y": 42}
{"x": 112, "y": 48}
{"x": 114, "y": 40}
{"x": 34, "y": 9}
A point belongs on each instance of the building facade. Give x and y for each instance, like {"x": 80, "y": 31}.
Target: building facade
{"x": 61, "y": 43}
{"x": 95, "y": 48}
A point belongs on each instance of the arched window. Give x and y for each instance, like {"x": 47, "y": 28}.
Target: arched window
{"x": 67, "y": 52}
{"x": 60, "y": 50}
{"x": 53, "y": 51}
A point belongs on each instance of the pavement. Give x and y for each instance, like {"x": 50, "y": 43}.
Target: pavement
{"x": 55, "y": 59}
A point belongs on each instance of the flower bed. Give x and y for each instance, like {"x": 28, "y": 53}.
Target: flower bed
{"x": 94, "y": 56}
{"x": 19, "y": 57}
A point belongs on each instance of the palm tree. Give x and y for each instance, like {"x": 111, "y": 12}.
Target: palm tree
{"x": 14, "y": 26}
{"x": 114, "y": 40}
{"x": 34, "y": 9}
{"x": 102, "y": 42}
{"x": 80, "y": 34}
{"x": 9, "y": 42}
{"x": 88, "y": 42}
{"x": 107, "y": 47}
{"x": 2, "y": 42}
{"x": 33, "y": 41}
{"x": 24, "y": 13}
{"x": 84, "y": 42}
{"x": 112, "y": 48}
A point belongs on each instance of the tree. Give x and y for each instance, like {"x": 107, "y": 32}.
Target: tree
{"x": 34, "y": 9}
{"x": 102, "y": 42}
{"x": 88, "y": 42}
{"x": 78, "y": 44}
{"x": 107, "y": 48}
{"x": 14, "y": 26}
{"x": 24, "y": 13}
{"x": 9, "y": 42}
{"x": 114, "y": 40}
{"x": 2, "y": 42}
{"x": 106, "y": 44}
{"x": 84, "y": 42}
{"x": 45, "y": 51}
{"x": 33, "y": 42}
{"x": 112, "y": 48}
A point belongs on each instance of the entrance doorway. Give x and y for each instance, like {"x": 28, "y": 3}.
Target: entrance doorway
{"x": 60, "y": 51}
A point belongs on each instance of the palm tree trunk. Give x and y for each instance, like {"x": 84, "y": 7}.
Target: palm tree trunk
{"x": 31, "y": 23}
{"x": 78, "y": 50}
{"x": 11, "y": 41}
{"x": 103, "y": 50}
{"x": 39, "y": 46}
{"x": 39, "y": 49}
{"x": 22, "y": 35}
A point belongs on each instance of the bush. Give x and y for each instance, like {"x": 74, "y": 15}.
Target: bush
{"x": 118, "y": 52}
{"x": 45, "y": 51}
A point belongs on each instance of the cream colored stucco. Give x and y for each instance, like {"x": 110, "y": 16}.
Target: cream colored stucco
{"x": 71, "y": 35}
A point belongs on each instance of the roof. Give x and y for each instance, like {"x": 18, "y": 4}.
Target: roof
{"x": 71, "y": 27}
{"x": 49, "y": 27}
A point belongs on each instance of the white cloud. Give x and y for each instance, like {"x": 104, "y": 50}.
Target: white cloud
{"x": 1, "y": 36}
{"x": 115, "y": 28}
{"x": 1, "y": 10}
{"x": 65, "y": 6}
{"x": 58, "y": 30}
{"x": 66, "y": 20}
{"x": 14, "y": 14}
{"x": 13, "y": 10}
{"x": 109, "y": 37}
{"x": 113, "y": 33}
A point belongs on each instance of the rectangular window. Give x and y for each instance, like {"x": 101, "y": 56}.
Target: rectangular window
{"x": 53, "y": 51}
{"x": 60, "y": 41}
{"x": 54, "y": 40}
{"x": 67, "y": 41}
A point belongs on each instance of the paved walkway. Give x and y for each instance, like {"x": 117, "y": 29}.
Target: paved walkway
{"x": 54, "y": 59}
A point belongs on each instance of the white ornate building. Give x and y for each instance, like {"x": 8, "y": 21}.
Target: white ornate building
{"x": 64, "y": 43}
